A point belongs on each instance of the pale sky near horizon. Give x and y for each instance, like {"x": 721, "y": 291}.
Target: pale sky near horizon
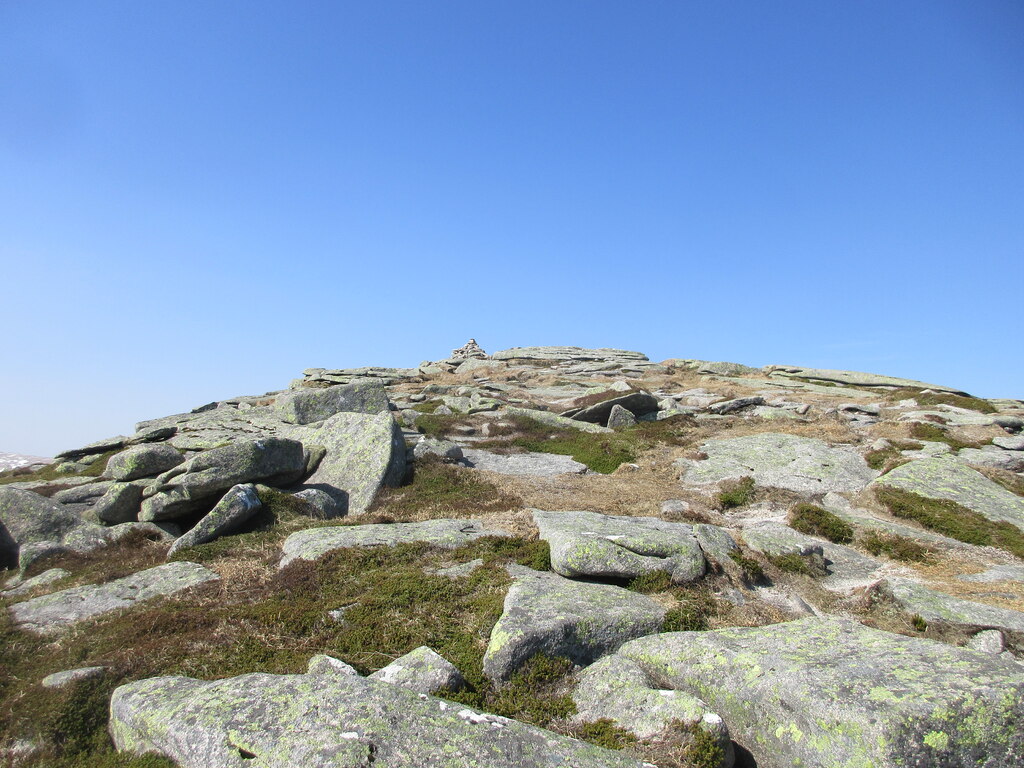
{"x": 200, "y": 199}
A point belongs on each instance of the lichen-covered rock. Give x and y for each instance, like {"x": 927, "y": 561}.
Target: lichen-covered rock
{"x": 546, "y": 613}
{"x": 146, "y": 460}
{"x": 429, "y": 446}
{"x": 616, "y": 688}
{"x": 775, "y": 539}
{"x": 422, "y": 670}
{"x": 119, "y": 504}
{"x": 196, "y": 483}
{"x": 57, "y": 611}
{"x": 322, "y": 664}
{"x": 716, "y": 543}
{"x": 364, "y": 452}
{"x": 933, "y": 606}
{"x": 237, "y": 506}
{"x": 833, "y": 693}
{"x": 775, "y": 460}
{"x": 570, "y": 354}
{"x": 852, "y": 378}
{"x": 554, "y": 420}
{"x": 329, "y": 721}
{"x": 530, "y": 463}
{"x": 314, "y": 543}
{"x": 620, "y": 418}
{"x": 27, "y": 517}
{"x": 592, "y": 545}
{"x": 636, "y": 403}
{"x": 20, "y": 586}
{"x": 69, "y": 676}
{"x": 305, "y": 406}
{"x": 733, "y": 406}
{"x": 319, "y": 504}
{"x": 947, "y": 478}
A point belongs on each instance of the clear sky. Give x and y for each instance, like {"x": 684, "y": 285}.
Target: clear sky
{"x": 200, "y": 199}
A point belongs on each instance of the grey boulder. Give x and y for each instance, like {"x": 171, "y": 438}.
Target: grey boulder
{"x": 429, "y": 446}
{"x": 329, "y": 721}
{"x": 143, "y": 461}
{"x": 423, "y": 671}
{"x": 237, "y": 506}
{"x": 592, "y": 545}
{"x": 69, "y": 676}
{"x": 830, "y": 692}
{"x": 120, "y": 504}
{"x": 57, "y": 611}
{"x": 637, "y": 403}
{"x": 314, "y": 543}
{"x": 933, "y": 606}
{"x": 305, "y": 406}
{"x": 546, "y": 613}
{"x": 529, "y": 463}
{"x": 200, "y": 480}
{"x": 26, "y": 518}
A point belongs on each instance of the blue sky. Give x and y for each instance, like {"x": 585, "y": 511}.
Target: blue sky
{"x": 200, "y": 199}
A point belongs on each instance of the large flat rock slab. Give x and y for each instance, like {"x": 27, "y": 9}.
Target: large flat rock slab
{"x": 59, "y": 610}
{"x": 364, "y": 453}
{"x": 852, "y": 378}
{"x": 314, "y": 543}
{"x": 776, "y": 460}
{"x": 570, "y": 355}
{"x": 592, "y": 545}
{"x": 329, "y": 721}
{"x": 546, "y": 613}
{"x": 831, "y": 693}
{"x": 934, "y": 606}
{"x": 534, "y": 464}
{"x": 308, "y": 405}
{"x": 947, "y": 478}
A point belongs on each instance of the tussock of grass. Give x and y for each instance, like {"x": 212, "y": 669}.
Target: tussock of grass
{"x": 647, "y": 583}
{"x": 815, "y": 521}
{"x": 952, "y": 519}
{"x": 800, "y": 564}
{"x": 440, "y": 488}
{"x": 735, "y": 493}
{"x": 438, "y": 425}
{"x": 749, "y": 567}
{"x": 692, "y": 614}
{"x": 682, "y": 746}
{"x": 603, "y": 733}
{"x": 895, "y": 546}
{"x": 428, "y": 406}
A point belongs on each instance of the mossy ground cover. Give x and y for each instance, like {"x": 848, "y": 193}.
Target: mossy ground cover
{"x": 936, "y": 434}
{"x": 887, "y": 459}
{"x": 49, "y": 473}
{"x": 951, "y": 519}
{"x": 816, "y": 521}
{"x": 735, "y": 493}
{"x": 938, "y": 398}
{"x": 895, "y": 546}
{"x": 262, "y": 620}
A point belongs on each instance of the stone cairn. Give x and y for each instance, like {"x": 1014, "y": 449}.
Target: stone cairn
{"x": 469, "y": 350}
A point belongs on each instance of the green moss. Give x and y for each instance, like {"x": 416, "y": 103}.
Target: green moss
{"x": 655, "y": 581}
{"x": 800, "y": 564}
{"x": 429, "y": 406}
{"x": 816, "y": 521}
{"x": 604, "y": 733}
{"x": 750, "y": 568}
{"x": 443, "y": 488}
{"x": 895, "y": 546}
{"x": 704, "y": 750}
{"x": 692, "y": 614}
{"x": 951, "y": 519}
{"x": 600, "y": 452}
{"x": 939, "y": 398}
{"x": 736, "y": 493}
{"x": 919, "y": 623}
{"x": 935, "y": 434}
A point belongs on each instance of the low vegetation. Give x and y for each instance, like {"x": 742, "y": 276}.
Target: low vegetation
{"x": 935, "y": 434}
{"x": 439, "y": 489}
{"x": 816, "y": 521}
{"x": 50, "y": 472}
{"x": 938, "y": 398}
{"x": 896, "y": 547}
{"x": 952, "y": 519}
{"x": 803, "y": 565}
{"x": 749, "y": 567}
{"x": 735, "y": 493}
{"x": 692, "y": 613}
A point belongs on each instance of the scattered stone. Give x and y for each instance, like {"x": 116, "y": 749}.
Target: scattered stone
{"x": 321, "y": 504}
{"x": 322, "y": 664}
{"x": 306, "y": 406}
{"x": 1011, "y": 461}
{"x": 469, "y": 350}
{"x": 675, "y": 507}
{"x": 461, "y": 570}
{"x": 636, "y": 403}
{"x": 57, "y": 611}
{"x": 571, "y": 355}
{"x": 187, "y": 488}
{"x": 237, "y": 506}
{"x": 422, "y": 671}
{"x": 915, "y": 599}
{"x": 429, "y": 446}
{"x": 314, "y": 543}
{"x": 988, "y": 641}
{"x": 947, "y": 478}
{"x": 317, "y": 721}
{"x": 67, "y": 677}
{"x": 146, "y": 460}
{"x": 546, "y": 613}
{"x": 620, "y": 418}
{"x": 536, "y": 464}
{"x": 732, "y": 406}
{"x": 1009, "y": 443}
{"x": 833, "y": 692}
{"x": 592, "y": 545}
{"x": 24, "y": 586}
{"x": 554, "y": 420}
{"x": 775, "y": 460}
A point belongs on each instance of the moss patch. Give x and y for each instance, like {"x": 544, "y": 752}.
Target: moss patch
{"x": 895, "y": 546}
{"x": 735, "y": 493}
{"x": 938, "y": 398}
{"x": 816, "y": 521}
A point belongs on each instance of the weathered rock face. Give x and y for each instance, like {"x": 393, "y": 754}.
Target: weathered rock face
{"x": 314, "y": 543}
{"x": 423, "y": 671}
{"x": 570, "y": 354}
{"x": 55, "y": 612}
{"x": 305, "y": 406}
{"x": 775, "y": 460}
{"x": 554, "y": 420}
{"x": 592, "y": 545}
{"x": 188, "y": 487}
{"x": 913, "y": 598}
{"x": 637, "y": 403}
{"x": 536, "y": 464}
{"x": 143, "y": 461}
{"x": 545, "y": 613}
{"x": 119, "y": 504}
{"x": 852, "y": 378}
{"x": 835, "y": 693}
{"x": 27, "y": 517}
{"x": 364, "y": 452}
{"x": 946, "y": 478}
{"x": 237, "y": 506}
{"x": 327, "y": 721}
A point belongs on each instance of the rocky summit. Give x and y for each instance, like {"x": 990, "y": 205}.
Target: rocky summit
{"x": 545, "y": 556}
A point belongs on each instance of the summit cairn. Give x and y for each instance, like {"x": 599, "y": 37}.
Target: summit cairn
{"x": 470, "y": 350}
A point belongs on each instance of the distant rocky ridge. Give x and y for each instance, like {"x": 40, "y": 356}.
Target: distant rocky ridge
{"x": 782, "y": 564}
